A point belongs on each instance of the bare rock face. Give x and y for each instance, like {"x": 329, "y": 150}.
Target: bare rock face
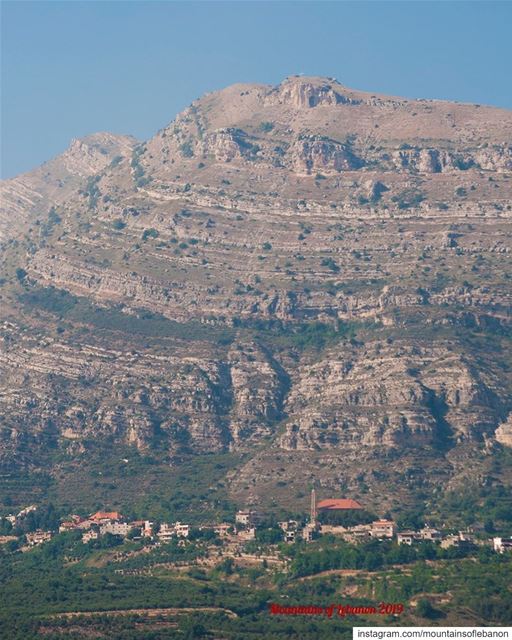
{"x": 374, "y": 189}
{"x": 314, "y": 153}
{"x": 388, "y": 397}
{"x": 89, "y": 155}
{"x": 303, "y": 94}
{"x": 498, "y": 158}
{"x": 228, "y": 144}
{"x": 503, "y": 433}
{"x": 423, "y": 160}
{"x": 259, "y": 387}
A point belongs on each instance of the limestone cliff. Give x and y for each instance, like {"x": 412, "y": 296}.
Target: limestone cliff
{"x": 307, "y": 276}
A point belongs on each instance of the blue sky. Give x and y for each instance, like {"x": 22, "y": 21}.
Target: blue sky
{"x": 73, "y": 68}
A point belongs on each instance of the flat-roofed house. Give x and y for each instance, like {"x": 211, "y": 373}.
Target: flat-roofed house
{"x": 182, "y": 530}
{"x": 90, "y": 534}
{"x": 247, "y": 517}
{"x": 166, "y": 532}
{"x": 501, "y": 545}
{"x": 429, "y": 533}
{"x": 115, "y": 528}
{"x": 407, "y": 537}
{"x": 383, "y": 529}
{"x": 223, "y": 529}
{"x": 38, "y": 537}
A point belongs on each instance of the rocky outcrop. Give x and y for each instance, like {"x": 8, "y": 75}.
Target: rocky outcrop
{"x": 423, "y": 160}
{"x": 389, "y": 396}
{"x": 441, "y": 161}
{"x": 105, "y": 394}
{"x": 258, "y": 386}
{"x": 304, "y": 94}
{"x": 90, "y": 155}
{"x": 497, "y": 158}
{"x": 145, "y": 400}
{"x": 503, "y": 433}
{"x": 228, "y": 144}
{"x": 316, "y": 153}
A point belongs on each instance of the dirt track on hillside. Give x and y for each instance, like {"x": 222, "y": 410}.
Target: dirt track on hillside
{"x": 150, "y": 613}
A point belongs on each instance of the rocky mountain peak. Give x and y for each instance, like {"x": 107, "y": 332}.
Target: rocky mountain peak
{"x": 308, "y": 92}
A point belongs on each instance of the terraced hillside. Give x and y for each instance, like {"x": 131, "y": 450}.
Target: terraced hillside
{"x": 313, "y": 279}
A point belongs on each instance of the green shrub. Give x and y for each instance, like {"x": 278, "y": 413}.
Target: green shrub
{"x": 91, "y": 191}
{"x": 150, "y": 233}
{"x": 330, "y": 264}
{"x": 408, "y": 198}
{"x": 266, "y": 127}
{"x": 186, "y": 149}
{"x": 425, "y": 609}
{"x": 21, "y": 274}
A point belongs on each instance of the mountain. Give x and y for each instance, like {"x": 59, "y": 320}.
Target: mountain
{"x": 55, "y": 181}
{"x": 306, "y": 282}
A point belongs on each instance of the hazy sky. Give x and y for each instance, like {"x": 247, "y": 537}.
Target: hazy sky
{"x": 73, "y": 68}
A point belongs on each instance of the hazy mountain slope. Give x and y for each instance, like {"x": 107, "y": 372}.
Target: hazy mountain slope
{"x": 31, "y": 194}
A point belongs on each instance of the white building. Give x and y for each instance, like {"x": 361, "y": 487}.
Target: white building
{"x": 223, "y": 529}
{"x": 383, "y": 529}
{"x": 429, "y": 533}
{"x": 408, "y": 537}
{"x": 182, "y": 530}
{"x": 166, "y": 532}
{"x": 115, "y": 528}
{"x": 502, "y": 544}
{"x": 290, "y": 536}
{"x": 243, "y": 517}
{"x": 247, "y": 517}
{"x": 90, "y": 534}
{"x": 38, "y": 537}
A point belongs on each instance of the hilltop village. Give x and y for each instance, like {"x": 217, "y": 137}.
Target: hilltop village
{"x": 248, "y": 525}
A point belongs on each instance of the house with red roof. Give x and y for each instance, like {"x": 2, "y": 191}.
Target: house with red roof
{"x": 338, "y": 504}
{"x": 106, "y": 516}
